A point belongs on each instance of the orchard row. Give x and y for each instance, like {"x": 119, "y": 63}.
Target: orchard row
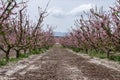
{"x": 97, "y": 30}
{"x": 18, "y": 32}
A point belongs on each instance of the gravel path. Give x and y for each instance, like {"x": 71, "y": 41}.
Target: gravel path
{"x": 58, "y": 64}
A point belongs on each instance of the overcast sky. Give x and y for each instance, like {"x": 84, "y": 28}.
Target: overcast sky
{"x": 62, "y": 13}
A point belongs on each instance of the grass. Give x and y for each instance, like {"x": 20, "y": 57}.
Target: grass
{"x": 3, "y": 61}
{"x": 98, "y": 54}
{"x": 76, "y": 49}
{"x": 115, "y": 58}
{"x": 103, "y": 55}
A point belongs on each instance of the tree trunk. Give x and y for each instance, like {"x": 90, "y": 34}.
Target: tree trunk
{"x": 25, "y": 51}
{"x": 86, "y": 50}
{"x": 108, "y": 53}
{"x": 17, "y": 53}
{"x": 30, "y": 49}
{"x": 7, "y": 55}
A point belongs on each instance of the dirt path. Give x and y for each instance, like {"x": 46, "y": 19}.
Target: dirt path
{"x": 58, "y": 64}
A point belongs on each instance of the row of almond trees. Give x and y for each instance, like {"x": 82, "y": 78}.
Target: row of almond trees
{"x": 18, "y": 32}
{"x": 96, "y": 30}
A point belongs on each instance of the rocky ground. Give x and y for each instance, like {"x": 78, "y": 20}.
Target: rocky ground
{"x": 58, "y": 64}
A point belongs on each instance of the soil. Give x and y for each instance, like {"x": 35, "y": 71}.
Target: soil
{"x": 58, "y": 64}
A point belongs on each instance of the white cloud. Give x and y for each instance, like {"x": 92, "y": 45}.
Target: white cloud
{"x": 78, "y": 10}
{"x": 56, "y": 12}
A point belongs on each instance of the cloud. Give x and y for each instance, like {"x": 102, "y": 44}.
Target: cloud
{"x": 56, "y": 12}
{"x": 78, "y": 10}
